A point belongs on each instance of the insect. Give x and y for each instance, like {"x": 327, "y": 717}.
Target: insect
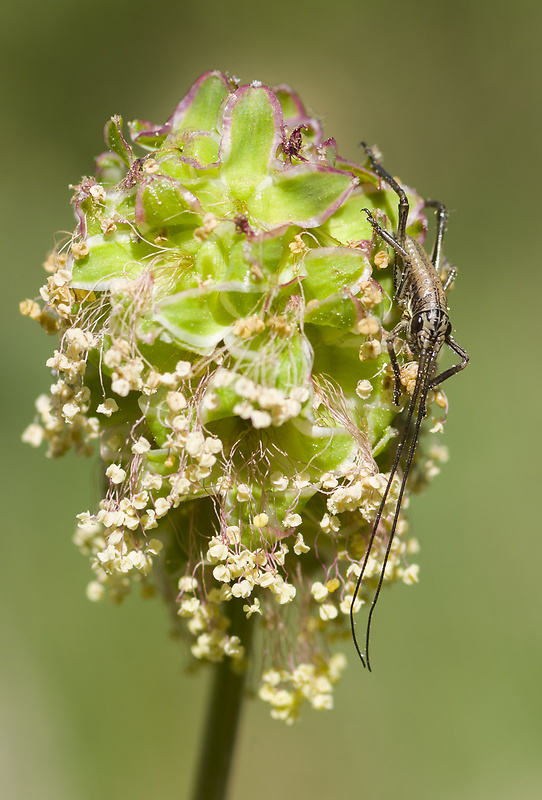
{"x": 293, "y": 145}
{"x": 425, "y": 325}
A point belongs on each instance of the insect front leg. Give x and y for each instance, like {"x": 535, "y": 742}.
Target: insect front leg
{"x": 384, "y": 234}
{"x": 453, "y": 345}
{"x": 402, "y": 266}
{"x": 401, "y": 326}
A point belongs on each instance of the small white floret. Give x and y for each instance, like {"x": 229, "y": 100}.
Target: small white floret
{"x": 364, "y": 389}
{"x": 252, "y": 609}
{"x": 33, "y": 435}
{"x": 187, "y": 584}
{"x": 108, "y": 407}
{"x": 242, "y": 589}
{"x": 328, "y": 611}
{"x": 115, "y": 473}
{"x": 243, "y": 492}
{"x": 292, "y": 521}
{"x": 319, "y": 591}
{"x": 95, "y": 591}
{"x": 300, "y": 546}
{"x": 141, "y": 446}
{"x": 176, "y": 401}
{"x": 279, "y": 481}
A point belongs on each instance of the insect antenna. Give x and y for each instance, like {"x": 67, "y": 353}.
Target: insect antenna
{"x": 419, "y": 397}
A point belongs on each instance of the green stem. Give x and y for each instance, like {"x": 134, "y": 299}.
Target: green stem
{"x": 223, "y": 715}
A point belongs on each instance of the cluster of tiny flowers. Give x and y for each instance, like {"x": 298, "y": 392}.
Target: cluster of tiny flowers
{"x": 199, "y": 329}
{"x": 63, "y": 420}
{"x": 286, "y": 691}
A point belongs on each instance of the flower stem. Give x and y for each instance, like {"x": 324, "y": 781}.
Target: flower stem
{"x": 223, "y": 715}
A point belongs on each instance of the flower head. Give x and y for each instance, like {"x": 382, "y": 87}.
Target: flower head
{"x": 220, "y": 337}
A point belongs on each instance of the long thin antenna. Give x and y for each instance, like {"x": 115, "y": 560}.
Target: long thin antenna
{"x": 420, "y": 393}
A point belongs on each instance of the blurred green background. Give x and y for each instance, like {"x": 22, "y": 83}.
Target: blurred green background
{"x": 93, "y": 699}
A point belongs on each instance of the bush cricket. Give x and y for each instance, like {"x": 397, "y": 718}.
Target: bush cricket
{"x": 425, "y": 325}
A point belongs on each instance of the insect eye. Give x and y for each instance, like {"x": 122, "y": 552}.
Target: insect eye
{"x": 417, "y": 324}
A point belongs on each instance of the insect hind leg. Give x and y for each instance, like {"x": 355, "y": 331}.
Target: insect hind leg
{"x": 400, "y": 192}
{"x": 449, "y": 273}
{"x": 442, "y": 216}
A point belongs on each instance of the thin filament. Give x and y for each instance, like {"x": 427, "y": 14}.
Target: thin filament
{"x": 404, "y": 479}
{"x": 421, "y": 381}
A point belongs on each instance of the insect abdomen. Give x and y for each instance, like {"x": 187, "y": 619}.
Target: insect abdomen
{"x": 425, "y": 286}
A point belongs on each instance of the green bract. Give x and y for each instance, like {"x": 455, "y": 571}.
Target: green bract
{"x": 220, "y": 334}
